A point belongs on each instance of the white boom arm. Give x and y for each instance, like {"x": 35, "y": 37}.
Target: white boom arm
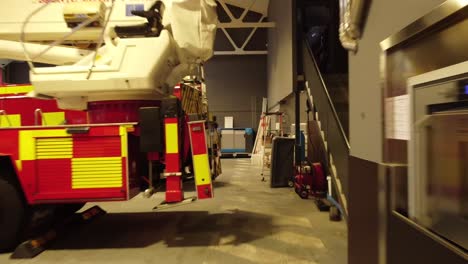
{"x": 58, "y": 55}
{"x": 125, "y": 68}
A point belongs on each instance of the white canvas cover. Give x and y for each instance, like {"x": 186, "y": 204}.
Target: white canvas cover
{"x": 193, "y": 24}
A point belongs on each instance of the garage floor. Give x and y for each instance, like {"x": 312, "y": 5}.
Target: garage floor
{"x": 247, "y": 222}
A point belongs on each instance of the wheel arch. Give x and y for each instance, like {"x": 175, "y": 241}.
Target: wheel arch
{"x": 9, "y": 173}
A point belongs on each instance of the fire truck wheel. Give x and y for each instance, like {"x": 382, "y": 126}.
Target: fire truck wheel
{"x": 12, "y": 215}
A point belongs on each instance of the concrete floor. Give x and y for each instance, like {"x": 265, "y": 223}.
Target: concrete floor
{"x": 247, "y": 222}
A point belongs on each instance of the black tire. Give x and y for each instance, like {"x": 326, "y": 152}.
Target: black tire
{"x": 13, "y": 212}
{"x": 290, "y": 183}
{"x": 304, "y": 194}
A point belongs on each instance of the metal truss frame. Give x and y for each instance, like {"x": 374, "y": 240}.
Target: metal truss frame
{"x": 239, "y": 23}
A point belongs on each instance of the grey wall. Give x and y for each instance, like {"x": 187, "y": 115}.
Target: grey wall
{"x": 236, "y": 86}
{"x": 280, "y": 51}
{"x": 385, "y": 18}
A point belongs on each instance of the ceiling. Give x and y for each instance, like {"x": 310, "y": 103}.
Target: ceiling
{"x": 259, "y": 6}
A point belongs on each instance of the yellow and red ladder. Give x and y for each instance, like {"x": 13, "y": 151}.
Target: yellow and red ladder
{"x": 200, "y": 159}
{"x": 201, "y": 165}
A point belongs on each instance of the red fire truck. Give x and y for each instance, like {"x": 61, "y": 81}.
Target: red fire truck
{"x": 54, "y": 160}
{"x": 106, "y": 122}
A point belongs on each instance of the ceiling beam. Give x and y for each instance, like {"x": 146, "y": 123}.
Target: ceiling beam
{"x": 241, "y": 52}
{"x": 240, "y": 24}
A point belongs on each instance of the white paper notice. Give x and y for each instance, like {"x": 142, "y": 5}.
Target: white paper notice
{"x": 228, "y": 122}
{"x": 397, "y": 117}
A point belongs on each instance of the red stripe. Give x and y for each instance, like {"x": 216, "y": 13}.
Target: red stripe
{"x": 85, "y": 195}
{"x": 76, "y": 117}
{"x": 198, "y": 138}
{"x": 174, "y": 189}
{"x": 125, "y": 176}
{"x": 101, "y": 132}
{"x": 27, "y": 106}
{"x": 90, "y": 147}
{"x": 170, "y": 120}
{"x": 54, "y": 175}
{"x": 173, "y": 162}
{"x": 205, "y": 191}
{"x": 9, "y": 143}
{"x": 54, "y": 183}
{"x": 28, "y": 179}
{"x": 178, "y": 92}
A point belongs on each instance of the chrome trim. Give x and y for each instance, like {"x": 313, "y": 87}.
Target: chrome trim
{"x": 438, "y": 14}
{"x": 382, "y": 214}
{"x": 67, "y": 126}
{"x": 38, "y": 114}
{"x": 172, "y": 174}
{"x": 196, "y": 122}
{"x": 431, "y": 235}
{"x": 14, "y": 97}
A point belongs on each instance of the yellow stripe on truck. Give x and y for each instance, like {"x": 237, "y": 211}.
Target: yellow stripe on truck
{"x": 202, "y": 169}
{"x": 123, "y": 130}
{"x": 54, "y": 148}
{"x": 53, "y": 118}
{"x": 172, "y": 139}
{"x": 96, "y": 173}
{"x": 10, "y": 120}
{"x": 16, "y": 89}
{"x": 27, "y": 141}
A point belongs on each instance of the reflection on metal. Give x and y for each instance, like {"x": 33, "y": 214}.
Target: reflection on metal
{"x": 351, "y": 14}
{"x": 38, "y": 115}
{"x": 430, "y": 234}
{"x": 437, "y": 153}
{"x": 409, "y": 64}
{"x": 424, "y": 91}
{"x": 442, "y": 12}
{"x": 259, "y": 6}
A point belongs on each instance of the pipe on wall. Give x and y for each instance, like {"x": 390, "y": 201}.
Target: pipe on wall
{"x": 351, "y": 14}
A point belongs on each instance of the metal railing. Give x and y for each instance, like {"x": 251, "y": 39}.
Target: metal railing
{"x": 39, "y": 116}
{"x": 30, "y": 59}
{"x": 4, "y": 113}
{"x": 337, "y": 142}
